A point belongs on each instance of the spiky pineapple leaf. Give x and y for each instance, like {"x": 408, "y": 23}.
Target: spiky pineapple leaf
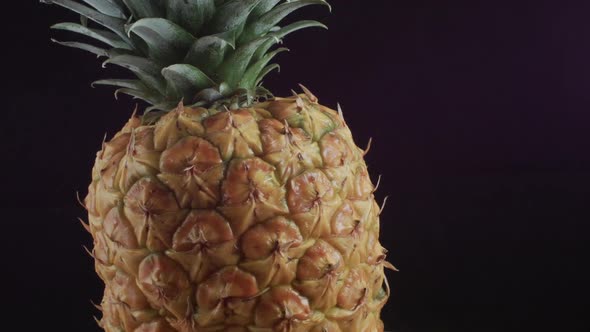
{"x": 82, "y": 46}
{"x": 236, "y": 64}
{"x": 119, "y": 3}
{"x": 106, "y": 37}
{"x": 145, "y": 95}
{"x": 267, "y": 70}
{"x": 213, "y": 94}
{"x": 252, "y": 75}
{"x": 270, "y": 19}
{"x": 145, "y": 8}
{"x": 282, "y": 32}
{"x": 263, "y": 7}
{"x": 167, "y": 42}
{"x": 286, "y": 30}
{"x": 145, "y": 69}
{"x": 207, "y": 53}
{"x": 122, "y": 83}
{"x": 116, "y": 25}
{"x": 231, "y": 15}
{"x": 191, "y": 14}
{"x": 216, "y": 50}
{"x": 107, "y": 7}
{"x": 183, "y": 80}
{"x": 113, "y": 52}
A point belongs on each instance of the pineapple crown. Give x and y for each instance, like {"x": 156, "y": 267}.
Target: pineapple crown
{"x": 200, "y": 52}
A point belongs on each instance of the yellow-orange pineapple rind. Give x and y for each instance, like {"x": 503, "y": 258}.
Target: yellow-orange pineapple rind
{"x": 258, "y": 219}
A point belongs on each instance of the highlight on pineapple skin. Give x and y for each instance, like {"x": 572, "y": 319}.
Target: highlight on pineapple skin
{"x": 253, "y": 219}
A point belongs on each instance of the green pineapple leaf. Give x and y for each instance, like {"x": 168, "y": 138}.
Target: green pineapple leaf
{"x": 213, "y": 94}
{"x": 282, "y": 32}
{"x": 122, "y": 83}
{"x": 270, "y": 19}
{"x": 212, "y": 53}
{"x": 191, "y": 14}
{"x": 167, "y": 43}
{"x": 107, "y": 7}
{"x": 183, "y": 80}
{"x": 106, "y": 37}
{"x": 116, "y": 25}
{"x": 145, "y": 95}
{"x": 207, "y": 53}
{"x": 145, "y": 8}
{"x": 252, "y": 75}
{"x": 231, "y": 15}
{"x": 82, "y": 46}
{"x": 267, "y": 70}
{"x": 236, "y": 64}
{"x": 263, "y": 7}
{"x": 145, "y": 69}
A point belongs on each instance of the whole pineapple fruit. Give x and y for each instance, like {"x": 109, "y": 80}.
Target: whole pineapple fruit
{"x": 224, "y": 208}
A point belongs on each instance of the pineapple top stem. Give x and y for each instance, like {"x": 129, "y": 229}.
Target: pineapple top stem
{"x": 207, "y": 53}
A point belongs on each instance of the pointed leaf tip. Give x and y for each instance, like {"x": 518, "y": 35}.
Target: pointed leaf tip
{"x": 86, "y": 47}
{"x": 269, "y": 20}
{"x": 281, "y": 33}
{"x": 267, "y": 70}
{"x": 102, "y": 36}
{"x": 112, "y": 23}
{"x": 252, "y": 76}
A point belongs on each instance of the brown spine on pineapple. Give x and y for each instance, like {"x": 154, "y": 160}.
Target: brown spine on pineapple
{"x": 258, "y": 219}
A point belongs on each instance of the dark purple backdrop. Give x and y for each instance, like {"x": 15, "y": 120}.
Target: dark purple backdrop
{"x": 479, "y": 113}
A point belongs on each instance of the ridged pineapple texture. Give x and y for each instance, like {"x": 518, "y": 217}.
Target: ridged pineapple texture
{"x": 225, "y": 212}
{"x": 259, "y": 219}
{"x": 197, "y": 51}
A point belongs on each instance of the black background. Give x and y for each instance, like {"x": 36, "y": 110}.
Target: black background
{"x": 479, "y": 112}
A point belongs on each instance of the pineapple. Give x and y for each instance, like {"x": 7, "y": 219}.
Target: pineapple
{"x": 224, "y": 208}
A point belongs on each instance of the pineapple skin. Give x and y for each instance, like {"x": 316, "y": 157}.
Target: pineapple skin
{"x": 257, "y": 219}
